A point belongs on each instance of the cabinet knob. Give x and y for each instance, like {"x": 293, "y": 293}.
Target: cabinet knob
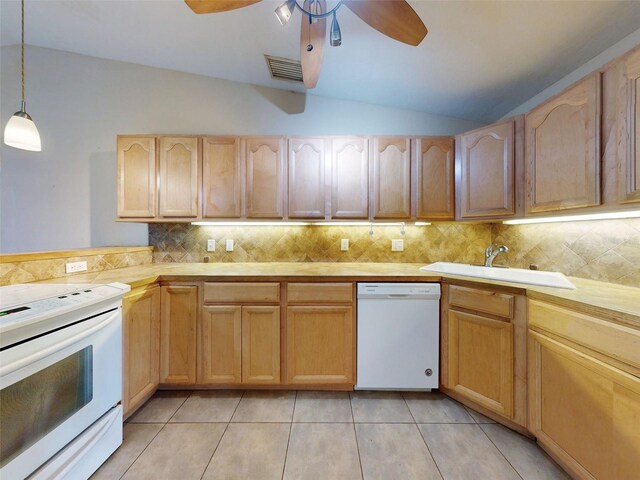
{"x": 428, "y": 372}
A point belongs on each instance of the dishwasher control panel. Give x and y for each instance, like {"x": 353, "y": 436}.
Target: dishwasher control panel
{"x": 427, "y": 291}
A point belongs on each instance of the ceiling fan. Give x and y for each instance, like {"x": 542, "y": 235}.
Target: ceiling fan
{"x": 393, "y": 18}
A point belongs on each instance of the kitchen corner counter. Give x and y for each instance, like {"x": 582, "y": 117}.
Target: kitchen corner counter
{"x": 617, "y": 301}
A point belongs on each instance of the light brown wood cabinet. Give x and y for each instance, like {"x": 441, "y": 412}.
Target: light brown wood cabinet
{"x": 350, "y": 178}
{"x": 433, "y": 178}
{"x": 136, "y": 177}
{"x": 563, "y": 150}
{"x": 179, "y": 177}
{"x": 220, "y": 354}
{"x": 487, "y": 166}
{"x": 264, "y": 166}
{"x": 141, "y": 346}
{"x": 221, "y": 177}
{"x": 179, "y": 318}
{"x": 307, "y": 188}
{"x": 261, "y": 344}
{"x": 629, "y": 172}
{"x": 391, "y": 178}
{"x": 483, "y": 350}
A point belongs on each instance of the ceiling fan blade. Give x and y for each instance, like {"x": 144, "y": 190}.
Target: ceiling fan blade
{"x": 313, "y": 34}
{"x": 215, "y": 6}
{"x": 394, "y": 18}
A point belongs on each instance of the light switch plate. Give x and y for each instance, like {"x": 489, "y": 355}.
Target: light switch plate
{"x": 344, "y": 244}
{"x": 397, "y": 245}
{"x": 73, "y": 267}
{"x": 229, "y": 245}
{"x": 211, "y": 245}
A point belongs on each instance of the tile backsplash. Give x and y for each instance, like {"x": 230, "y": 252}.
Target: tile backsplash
{"x": 452, "y": 242}
{"x": 606, "y": 250}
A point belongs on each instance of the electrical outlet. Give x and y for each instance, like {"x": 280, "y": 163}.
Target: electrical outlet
{"x": 211, "y": 245}
{"x": 74, "y": 267}
{"x": 397, "y": 245}
{"x": 344, "y": 244}
{"x": 229, "y": 245}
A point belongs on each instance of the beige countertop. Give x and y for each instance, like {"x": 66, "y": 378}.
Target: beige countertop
{"x": 619, "y": 301}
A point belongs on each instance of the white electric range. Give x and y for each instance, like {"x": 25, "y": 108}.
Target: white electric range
{"x": 60, "y": 379}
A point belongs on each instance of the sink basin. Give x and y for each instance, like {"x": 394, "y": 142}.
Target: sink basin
{"x": 516, "y": 275}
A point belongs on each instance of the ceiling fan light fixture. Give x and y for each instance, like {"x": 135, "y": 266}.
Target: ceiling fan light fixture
{"x": 284, "y": 11}
{"x": 335, "y": 35}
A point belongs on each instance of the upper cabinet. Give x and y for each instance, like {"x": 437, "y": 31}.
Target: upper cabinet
{"x": 307, "y": 189}
{"x": 563, "y": 150}
{"x": 629, "y": 173}
{"x": 221, "y": 177}
{"x": 350, "y": 178}
{"x": 433, "y": 176}
{"x": 136, "y": 177}
{"x": 264, "y": 163}
{"x": 487, "y": 164}
{"x": 391, "y": 177}
{"x": 179, "y": 168}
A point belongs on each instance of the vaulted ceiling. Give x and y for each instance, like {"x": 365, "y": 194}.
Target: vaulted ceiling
{"x": 480, "y": 59}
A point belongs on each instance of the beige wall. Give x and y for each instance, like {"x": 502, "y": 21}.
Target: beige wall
{"x": 65, "y": 196}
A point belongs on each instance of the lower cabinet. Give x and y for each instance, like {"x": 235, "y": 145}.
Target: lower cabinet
{"x": 178, "y": 334}
{"x": 584, "y": 411}
{"x": 483, "y": 350}
{"x": 141, "y": 340}
{"x": 320, "y": 345}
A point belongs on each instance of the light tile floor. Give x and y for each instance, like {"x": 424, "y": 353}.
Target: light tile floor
{"x": 260, "y": 435}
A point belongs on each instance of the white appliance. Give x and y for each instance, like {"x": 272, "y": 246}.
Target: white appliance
{"x": 398, "y": 336}
{"x": 60, "y": 379}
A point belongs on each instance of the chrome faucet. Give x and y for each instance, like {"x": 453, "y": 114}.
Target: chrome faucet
{"x": 490, "y": 254}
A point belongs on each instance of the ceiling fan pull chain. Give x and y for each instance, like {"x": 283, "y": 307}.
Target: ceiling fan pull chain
{"x": 309, "y": 46}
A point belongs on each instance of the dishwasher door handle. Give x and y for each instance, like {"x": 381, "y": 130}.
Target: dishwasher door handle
{"x": 398, "y": 295}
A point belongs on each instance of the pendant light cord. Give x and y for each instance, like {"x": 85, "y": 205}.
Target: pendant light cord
{"x": 22, "y": 59}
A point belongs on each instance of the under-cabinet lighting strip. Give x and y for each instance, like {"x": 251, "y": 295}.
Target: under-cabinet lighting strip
{"x": 304, "y": 224}
{"x": 575, "y": 218}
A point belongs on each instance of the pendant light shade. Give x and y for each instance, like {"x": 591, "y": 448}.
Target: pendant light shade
{"x": 335, "y": 35}
{"x": 20, "y": 131}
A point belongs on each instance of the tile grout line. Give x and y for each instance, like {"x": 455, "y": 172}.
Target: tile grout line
{"x": 286, "y": 452}
{"x": 422, "y": 437}
{"x": 221, "y": 437}
{"x": 164, "y": 424}
{"x": 180, "y": 406}
{"x": 355, "y": 433}
{"x": 501, "y": 452}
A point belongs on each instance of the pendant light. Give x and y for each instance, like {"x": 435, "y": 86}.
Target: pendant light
{"x": 20, "y": 131}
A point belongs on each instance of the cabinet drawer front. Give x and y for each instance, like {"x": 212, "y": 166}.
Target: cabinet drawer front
{"x": 616, "y": 341}
{"x": 240, "y": 292}
{"x": 320, "y": 293}
{"x": 486, "y": 301}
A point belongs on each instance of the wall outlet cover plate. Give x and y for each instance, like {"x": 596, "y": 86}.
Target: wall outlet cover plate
{"x": 229, "y": 245}
{"x": 211, "y": 245}
{"x": 397, "y": 245}
{"x": 74, "y": 267}
{"x": 344, "y": 244}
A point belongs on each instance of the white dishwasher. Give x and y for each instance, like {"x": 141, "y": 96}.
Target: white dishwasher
{"x": 398, "y": 336}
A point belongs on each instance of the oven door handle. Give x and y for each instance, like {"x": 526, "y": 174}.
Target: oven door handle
{"x": 45, "y": 352}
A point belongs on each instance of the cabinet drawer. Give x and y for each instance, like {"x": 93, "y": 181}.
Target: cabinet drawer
{"x": 241, "y": 292}
{"x": 616, "y": 341}
{"x": 321, "y": 293}
{"x": 486, "y": 301}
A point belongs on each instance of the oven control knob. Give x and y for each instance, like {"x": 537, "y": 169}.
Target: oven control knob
{"x": 428, "y": 372}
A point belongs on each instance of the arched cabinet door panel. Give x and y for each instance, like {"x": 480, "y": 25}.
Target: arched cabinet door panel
{"x": 179, "y": 167}
{"x": 307, "y": 186}
{"x": 264, "y": 164}
{"x": 391, "y": 178}
{"x": 350, "y": 178}
{"x": 136, "y": 177}
{"x": 221, "y": 177}
{"x": 433, "y": 177}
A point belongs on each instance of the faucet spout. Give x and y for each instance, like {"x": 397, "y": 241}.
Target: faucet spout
{"x": 491, "y": 253}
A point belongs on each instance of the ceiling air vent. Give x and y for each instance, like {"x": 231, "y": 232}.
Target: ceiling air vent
{"x": 284, "y": 68}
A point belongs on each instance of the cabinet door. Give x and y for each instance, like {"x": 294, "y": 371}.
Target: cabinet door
{"x": 220, "y": 357}
{"x": 584, "y": 411}
{"x": 480, "y": 351}
{"x": 629, "y": 184}
{"x": 264, "y": 170}
{"x": 433, "y": 173}
{"x": 320, "y": 345}
{"x": 391, "y": 178}
{"x": 141, "y": 344}
{"x": 136, "y": 177}
{"x": 179, "y": 175}
{"x": 350, "y": 178}
{"x": 563, "y": 150}
{"x": 178, "y": 334}
{"x": 221, "y": 187}
{"x": 307, "y": 189}
{"x": 487, "y": 166}
{"x": 261, "y": 344}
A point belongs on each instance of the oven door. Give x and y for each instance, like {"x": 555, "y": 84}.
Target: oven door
{"x": 55, "y": 386}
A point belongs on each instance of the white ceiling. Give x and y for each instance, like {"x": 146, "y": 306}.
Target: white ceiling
{"x": 480, "y": 59}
